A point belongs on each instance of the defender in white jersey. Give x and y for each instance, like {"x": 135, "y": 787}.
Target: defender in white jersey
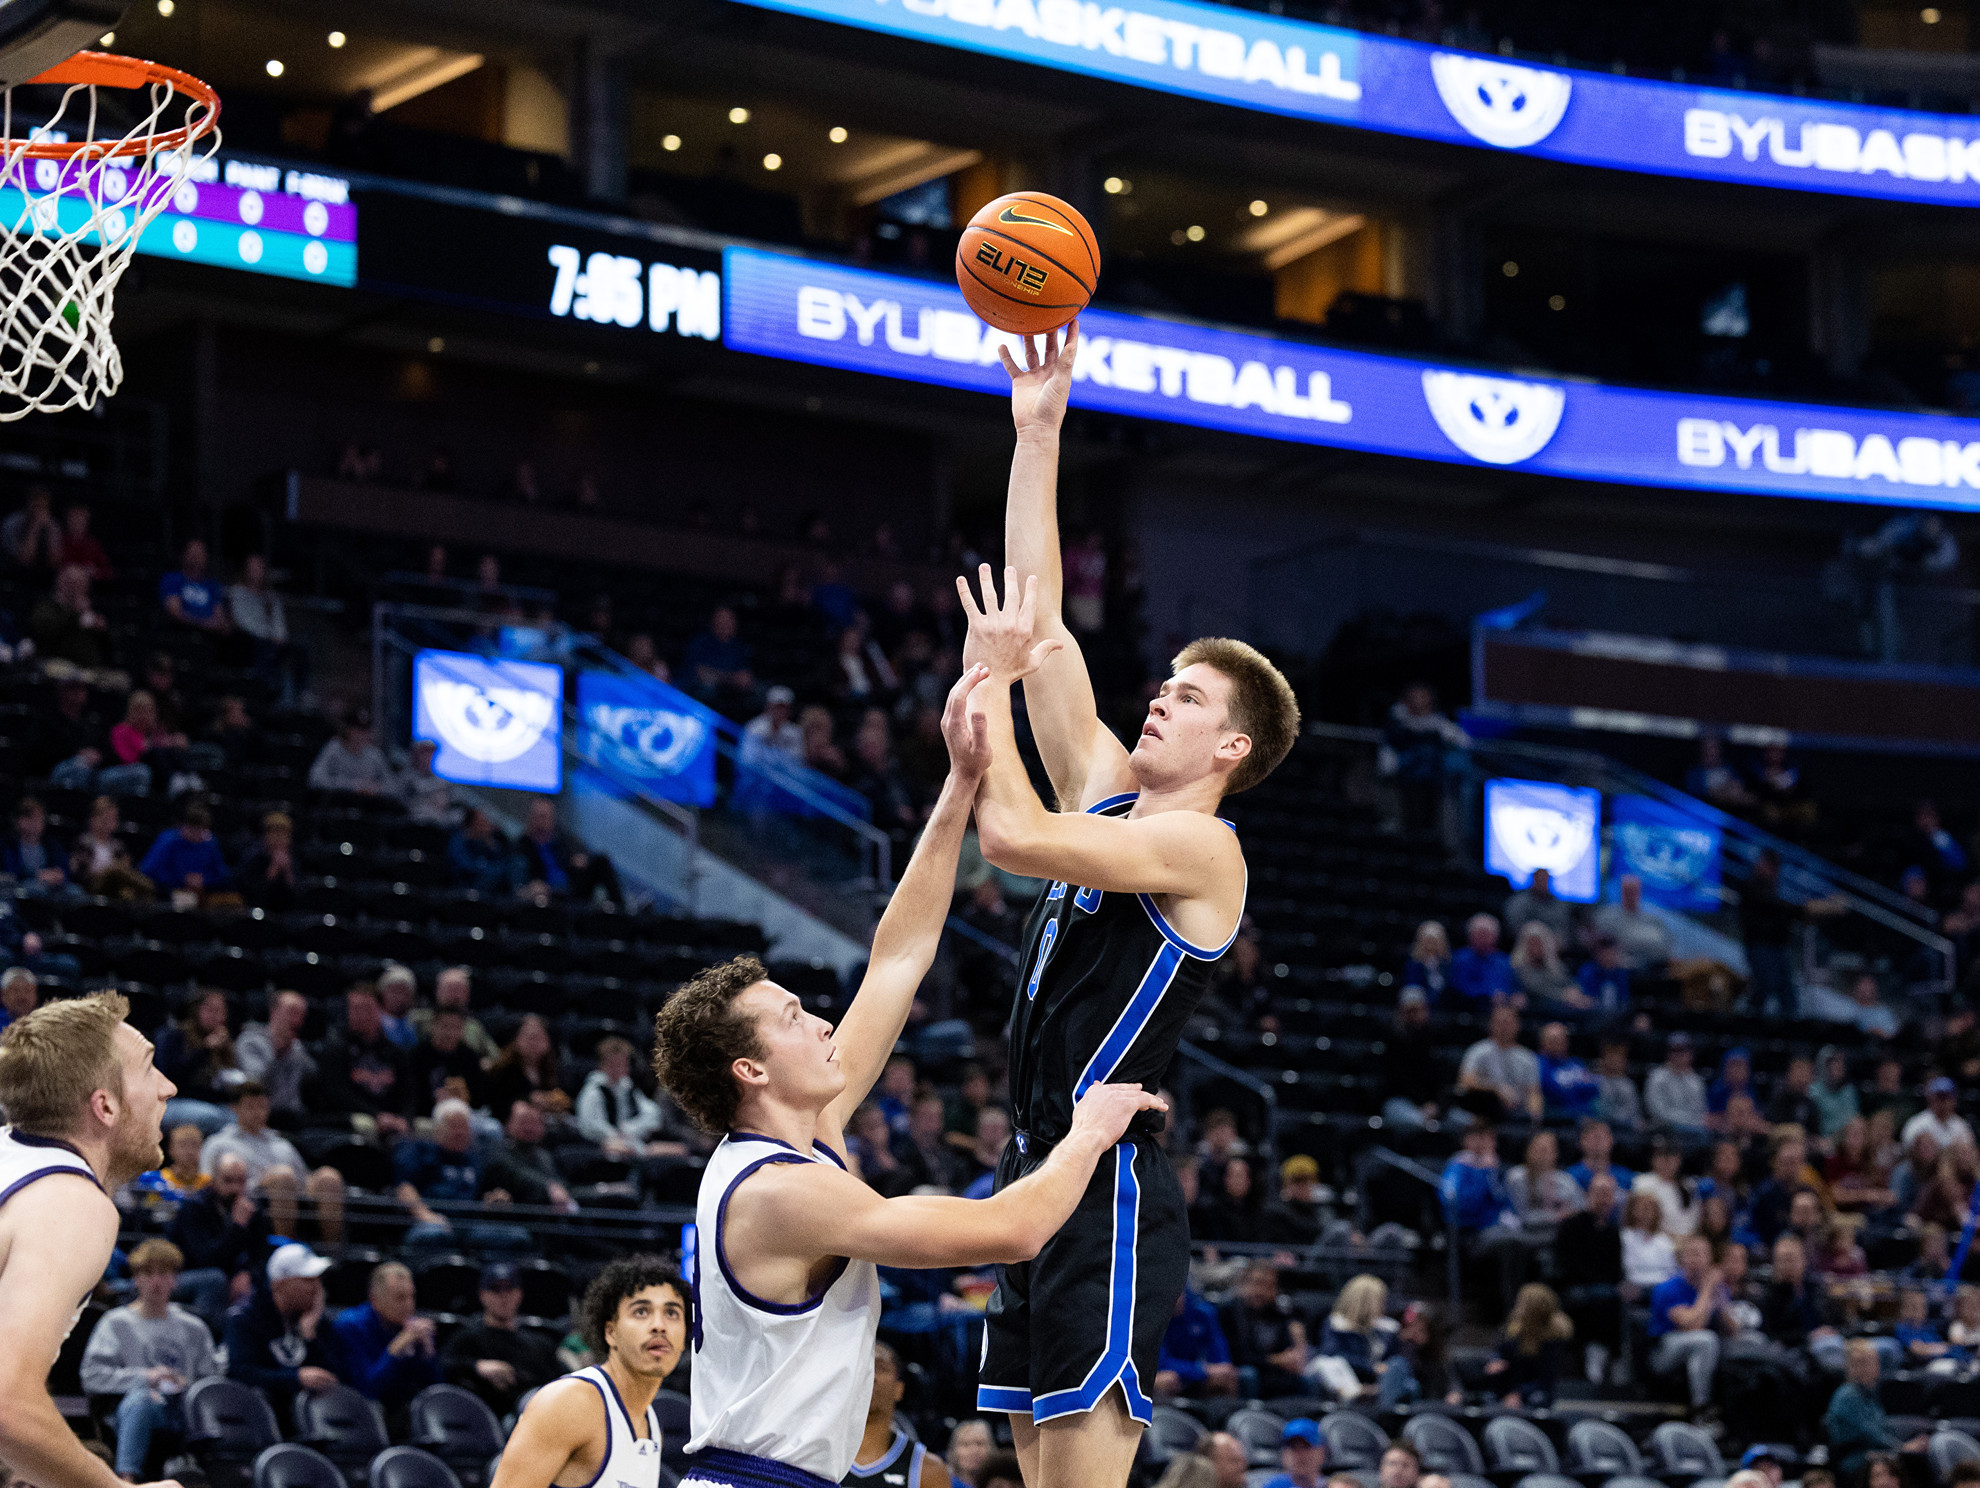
{"x": 786, "y": 1296}
{"x": 598, "y": 1426}
{"x": 86, "y": 1105}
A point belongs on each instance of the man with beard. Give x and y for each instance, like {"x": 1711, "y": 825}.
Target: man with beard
{"x": 598, "y": 1425}
{"x": 87, "y": 1106}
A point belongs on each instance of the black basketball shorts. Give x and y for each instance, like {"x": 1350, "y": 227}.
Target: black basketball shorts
{"x": 1091, "y": 1310}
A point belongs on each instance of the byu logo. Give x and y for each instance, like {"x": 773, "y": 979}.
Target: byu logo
{"x": 489, "y": 724}
{"x": 1667, "y": 857}
{"x": 1533, "y": 834}
{"x": 644, "y": 741}
{"x": 1511, "y": 107}
{"x": 1494, "y": 419}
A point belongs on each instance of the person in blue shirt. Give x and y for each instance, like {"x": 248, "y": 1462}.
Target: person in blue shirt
{"x": 388, "y": 1349}
{"x": 718, "y": 663}
{"x": 1605, "y": 980}
{"x": 1735, "y": 1078}
{"x": 1195, "y": 1357}
{"x": 186, "y": 856}
{"x": 31, "y": 856}
{"x": 1477, "y": 1202}
{"x": 1597, "y": 1142}
{"x": 1567, "y": 1086}
{"x": 1686, "y": 1315}
{"x": 1429, "y": 964}
{"x": 1481, "y": 970}
{"x": 448, "y": 1170}
{"x": 190, "y": 595}
{"x": 480, "y": 858}
{"x": 1303, "y": 1455}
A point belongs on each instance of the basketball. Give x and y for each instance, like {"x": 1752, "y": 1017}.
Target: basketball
{"x": 1027, "y": 263}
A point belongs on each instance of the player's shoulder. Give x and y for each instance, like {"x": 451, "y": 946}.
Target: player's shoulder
{"x": 570, "y": 1407}
{"x": 934, "y": 1472}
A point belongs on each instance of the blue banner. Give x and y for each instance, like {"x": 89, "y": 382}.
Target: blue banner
{"x": 644, "y": 732}
{"x": 1674, "y": 853}
{"x": 807, "y": 310}
{"x": 496, "y": 723}
{"x": 1255, "y": 61}
{"x": 1533, "y": 824}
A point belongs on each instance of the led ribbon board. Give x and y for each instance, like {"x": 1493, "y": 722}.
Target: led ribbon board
{"x": 1254, "y": 61}
{"x": 805, "y": 310}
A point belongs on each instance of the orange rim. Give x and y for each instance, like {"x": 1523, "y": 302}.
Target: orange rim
{"x": 106, "y": 70}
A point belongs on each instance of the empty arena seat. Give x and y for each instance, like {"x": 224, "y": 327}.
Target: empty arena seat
{"x": 1948, "y": 1449}
{"x": 228, "y": 1425}
{"x": 1177, "y": 1430}
{"x": 410, "y": 1467}
{"x": 457, "y": 1426}
{"x": 1514, "y": 1445}
{"x": 293, "y": 1465}
{"x": 1259, "y": 1430}
{"x": 1681, "y": 1450}
{"x": 1546, "y": 1480}
{"x": 341, "y": 1424}
{"x": 1601, "y": 1449}
{"x": 1353, "y": 1441}
{"x": 1444, "y": 1445}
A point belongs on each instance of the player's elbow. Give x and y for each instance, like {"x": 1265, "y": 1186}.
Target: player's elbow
{"x": 1005, "y": 844}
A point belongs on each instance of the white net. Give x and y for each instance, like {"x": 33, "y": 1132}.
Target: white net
{"x": 92, "y": 165}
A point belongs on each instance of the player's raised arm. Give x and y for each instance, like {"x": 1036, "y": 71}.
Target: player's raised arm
{"x": 1084, "y": 759}
{"x": 904, "y": 944}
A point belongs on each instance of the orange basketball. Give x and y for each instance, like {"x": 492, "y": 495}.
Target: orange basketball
{"x": 1027, "y": 263}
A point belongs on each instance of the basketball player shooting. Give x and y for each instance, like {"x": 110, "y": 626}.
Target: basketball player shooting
{"x": 87, "y": 1106}
{"x": 786, "y": 1290}
{"x": 1146, "y": 888}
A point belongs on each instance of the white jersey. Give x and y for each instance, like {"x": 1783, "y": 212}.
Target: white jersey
{"x": 24, "y": 1160}
{"x": 631, "y": 1460}
{"x": 787, "y": 1383}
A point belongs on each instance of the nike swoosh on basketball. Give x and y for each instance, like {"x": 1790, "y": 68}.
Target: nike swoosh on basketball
{"x": 1012, "y": 214}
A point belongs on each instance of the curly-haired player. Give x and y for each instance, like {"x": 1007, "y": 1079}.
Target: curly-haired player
{"x": 598, "y": 1425}
{"x": 787, "y": 1297}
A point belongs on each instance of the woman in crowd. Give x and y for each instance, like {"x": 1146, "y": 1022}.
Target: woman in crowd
{"x": 1833, "y": 1093}
{"x": 1526, "y": 1365}
{"x": 1536, "y": 961}
{"x": 1234, "y": 1212}
{"x": 1429, "y": 964}
{"x": 1858, "y": 1183}
{"x": 970, "y": 1446}
{"x": 1542, "y": 1194}
{"x": 1649, "y": 1259}
{"x": 197, "y": 1055}
{"x": 871, "y": 1145}
{"x": 529, "y": 1069}
{"x": 1360, "y": 1334}
{"x": 1676, "y": 1195}
{"x": 1715, "y": 1222}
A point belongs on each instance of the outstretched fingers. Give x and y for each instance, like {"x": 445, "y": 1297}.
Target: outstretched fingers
{"x": 971, "y": 613}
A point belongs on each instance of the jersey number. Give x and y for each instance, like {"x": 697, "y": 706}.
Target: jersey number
{"x": 1044, "y": 953}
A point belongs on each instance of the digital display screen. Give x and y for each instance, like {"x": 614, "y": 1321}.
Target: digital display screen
{"x": 496, "y": 723}
{"x": 1531, "y": 824}
{"x": 1257, "y": 61}
{"x": 1249, "y": 382}
{"x": 1674, "y": 853}
{"x": 266, "y": 219}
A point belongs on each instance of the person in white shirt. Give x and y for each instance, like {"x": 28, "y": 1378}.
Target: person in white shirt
{"x": 1945, "y": 1125}
{"x": 148, "y": 1352}
{"x": 773, "y": 735}
{"x": 1643, "y": 938}
{"x": 1649, "y": 1259}
{"x": 351, "y": 761}
{"x": 272, "y": 1053}
{"x": 616, "y": 1114}
{"x": 275, "y": 1169}
{"x": 1676, "y": 1195}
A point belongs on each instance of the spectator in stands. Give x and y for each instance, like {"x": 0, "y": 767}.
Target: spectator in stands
{"x": 1263, "y": 1335}
{"x": 1598, "y": 1144}
{"x": 646, "y": 657}
{"x": 66, "y": 627}
{"x": 1400, "y": 1467}
{"x": 1475, "y": 1200}
{"x": 1676, "y": 1195}
{"x": 1429, "y": 964}
{"x": 273, "y": 1055}
{"x": 1793, "y": 1313}
{"x": 1867, "y": 1010}
{"x": 97, "y": 848}
{"x": 493, "y": 1356}
{"x": 276, "y": 1171}
{"x": 197, "y": 1055}
{"x": 223, "y": 1237}
{"x": 351, "y": 761}
{"x": 1674, "y": 1094}
{"x": 148, "y": 1352}
{"x": 1855, "y": 1173}
{"x": 1226, "y": 1459}
{"x": 389, "y": 1351}
{"x": 523, "y": 1167}
{"x": 1499, "y": 1066}
{"x": 993, "y": 1135}
{"x": 929, "y": 1159}
{"x": 1296, "y": 1215}
{"x": 233, "y": 731}
{"x": 616, "y": 1114}
{"x": 1648, "y": 1255}
{"x": 1423, "y": 752}
{"x": 1195, "y": 1358}
{"x": 1536, "y": 962}
{"x": 1302, "y": 1455}
{"x": 365, "y": 1075}
{"x": 1604, "y": 979}
{"x": 80, "y": 549}
{"x": 1525, "y": 1368}
{"x": 1735, "y": 1079}
{"x": 397, "y": 990}
{"x": 1588, "y": 1264}
{"x": 1232, "y": 1211}
{"x": 186, "y": 856}
{"x": 1855, "y": 1423}
{"x": 1359, "y": 1333}
{"x": 1888, "y": 1092}
{"x": 1481, "y": 969}
{"x": 1773, "y": 1196}
{"x": 264, "y": 620}
{"x": 1537, "y": 902}
{"x": 449, "y": 1170}
{"x": 858, "y": 671}
{"x": 481, "y": 858}
{"x": 1935, "y": 849}
{"x": 190, "y": 597}
{"x": 1712, "y": 779}
{"x": 20, "y": 994}
{"x": 31, "y": 857}
{"x": 1567, "y": 1089}
{"x": 453, "y": 988}
{"x": 1542, "y": 1194}
{"x": 444, "y": 1067}
{"x": 29, "y": 536}
{"x": 1794, "y": 1099}
{"x": 1617, "y": 1101}
{"x": 1687, "y": 1314}
{"x": 970, "y": 1446}
{"x": 1766, "y": 924}
{"x": 820, "y": 753}
{"x": 549, "y": 865}
{"x": 69, "y": 736}
{"x": 1947, "y": 1199}
{"x": 1412, "y": 1081}
{"x": 870, "y": 1143}
{"x": 1940, "y": 1119}
{"x": 267, "y": 875}
{"x": 529, "y": 1068}
{"x": 878, "y": 776}
{"x": 773, "y": 736}
{"x": 718, "y": 663}
{"x": 427, "y": 798}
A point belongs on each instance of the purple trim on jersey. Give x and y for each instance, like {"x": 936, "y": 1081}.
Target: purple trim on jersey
{"x": 743, "y": 1294}
{"x": 27, "y": 1140}
{"x": 20, "y": 1183}
{"x": 716, "y": 1467}
{"x": 750, "y": 1136}
{"x": 605, "y": 1460}
{"x": 821, "y": 1147}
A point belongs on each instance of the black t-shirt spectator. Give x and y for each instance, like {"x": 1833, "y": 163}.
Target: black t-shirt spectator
{"x": 1768, "y": 1214}
{"x": 533, "y": 1360}
{"x": 432, "y": 1068}
{"x": 1788, "y": 1314}
{"x": 1588, "y": 1252}
{"x": 369, "y": 1078}
{"x": 1293, "y": 1221}
{"x": 205, "y": 1231}
{"x": 1255, "y": 1335}
{"x": 524, "y": 1171}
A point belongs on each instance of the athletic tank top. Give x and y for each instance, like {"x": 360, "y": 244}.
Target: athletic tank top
{"x": 1105, "y": 988}
{"x": 631, "y": 1461}
{"x": 25, "y": 1159}
{"x": 787, "y": 1381}
{"x": 898, "y": 1467}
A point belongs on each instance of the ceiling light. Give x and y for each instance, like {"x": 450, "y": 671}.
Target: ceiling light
{"x": 166, "y": 7}
{"x": 274, "y": 66}
{"x": 1259, "y": 209}
{"x": 738, "y": 116}
{"x": 436, "y": 344}
{"x": 1113, "y": 186}
{"x": 1178, "y": 238}
{"x": 108, "y": 38}
{"x": 773, "y": 161}
{"x": 1509, "y": 269}
{"x": 1929, "y": 15}
{"x": 337, "y": 38}
{"x": 1557, "y": 302}
{"x": 1194, "y": 232}
{"x": 670, "y": 142}
{"x": 838, "y": 134}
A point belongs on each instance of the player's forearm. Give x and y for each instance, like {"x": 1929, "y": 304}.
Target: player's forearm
{"x": 1031, "y": 521}
{"x": 1039, "y": 1204}
{"x": 1009, "y": 815}
{"x": 37, "y": 1445}
{"x": 911, "y": 928}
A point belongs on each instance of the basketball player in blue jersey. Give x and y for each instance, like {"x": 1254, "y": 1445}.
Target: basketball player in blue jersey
{"x": 86, "y": 1104}
{"x": 598, "y": 1425}
{"x": 1146, "y": 888}
{"x": 888, "y": 1457}
{"x": 786, "y": 1291}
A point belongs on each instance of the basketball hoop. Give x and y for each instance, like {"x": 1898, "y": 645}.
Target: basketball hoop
{"x": 115, "y": 139}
